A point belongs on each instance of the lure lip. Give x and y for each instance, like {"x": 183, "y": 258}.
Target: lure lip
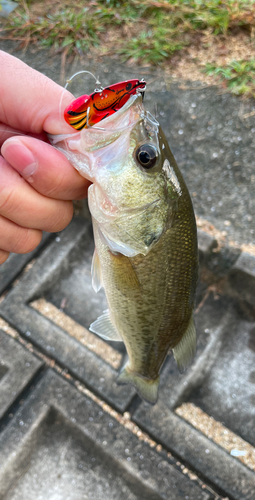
{"x": 141, "y": 90}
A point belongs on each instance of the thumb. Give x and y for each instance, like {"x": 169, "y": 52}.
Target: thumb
{"x": 29, "y": 100}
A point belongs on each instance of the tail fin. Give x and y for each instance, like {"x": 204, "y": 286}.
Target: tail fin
{"x": 147, "y": 389}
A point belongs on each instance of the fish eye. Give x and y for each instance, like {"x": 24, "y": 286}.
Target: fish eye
{"x": 147, "y": 156}
{"x": 129, "y": 86}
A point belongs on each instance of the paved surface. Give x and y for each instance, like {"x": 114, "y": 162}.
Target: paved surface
{"x": 67, "y": 431}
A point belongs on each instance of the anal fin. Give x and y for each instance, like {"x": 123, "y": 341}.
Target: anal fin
{"x": 185, "y": 350}
{"x": 104, "y": 328}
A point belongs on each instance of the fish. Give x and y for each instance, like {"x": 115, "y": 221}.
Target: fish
{"x": 87, "y": 110}
{"x": 146, "y": 254}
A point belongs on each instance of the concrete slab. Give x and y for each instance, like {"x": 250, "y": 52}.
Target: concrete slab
{"x": 223, "y": 365}
{"x": 61, "y": 444}
{"x": 242, "y": 278}
{"x": 56, "y": 265}
{"x": 227, "y": 393}
{"x": 226, "y": 474}
{"x": 16, "y": 263}
{"x": 17, "y": 368}
{"x": 221, "y": 383}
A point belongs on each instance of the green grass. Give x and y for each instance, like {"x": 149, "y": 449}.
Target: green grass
{"x": 67, "y": 29}
{"x": 149, "y": 31}
{"x": 151, "y": 46}
{"x": 170, "y": 23}
{"x": 238, "y": 76}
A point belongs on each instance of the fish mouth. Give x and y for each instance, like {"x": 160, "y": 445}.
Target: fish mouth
{"x": 81, "y": 147}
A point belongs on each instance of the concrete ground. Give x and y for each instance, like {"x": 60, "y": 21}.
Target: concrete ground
{"x": 67, "y": 430}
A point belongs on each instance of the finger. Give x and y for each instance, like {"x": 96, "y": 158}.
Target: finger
{"x": 6, "y": 132}
{"x": 3, "y": 256}
{"x": 18, "y": 239}
{"x": 31, "y": 101}
{"x": 46, "y": 168}
{"x": 20, "y": 203}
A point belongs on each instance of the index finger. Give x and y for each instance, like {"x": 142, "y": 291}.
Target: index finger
{"x": 48, "y": 170}
{"x": 29, "y": 100}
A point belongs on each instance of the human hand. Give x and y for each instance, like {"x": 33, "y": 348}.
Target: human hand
{"x": 37, "y": 183}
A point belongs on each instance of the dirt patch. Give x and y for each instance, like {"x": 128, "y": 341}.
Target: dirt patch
{"x": 189, "y": 65}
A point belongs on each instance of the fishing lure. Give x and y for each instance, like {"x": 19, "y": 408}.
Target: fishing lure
{"x": 87, "y": 110}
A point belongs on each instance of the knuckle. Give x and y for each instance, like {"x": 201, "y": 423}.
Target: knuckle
{"x": 7, "y": 203}
{"x": 27, "y": 241}
{"x": 8, "y": 182}
{"x": 56, "y": 189}
{"x": 62, "y": 217}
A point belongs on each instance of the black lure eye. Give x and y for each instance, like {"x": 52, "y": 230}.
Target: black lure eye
{"x": 147, "y": 156}
{"x": 129, "y": 86}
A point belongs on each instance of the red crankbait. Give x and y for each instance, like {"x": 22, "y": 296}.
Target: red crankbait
{"x": 87, "y": 110}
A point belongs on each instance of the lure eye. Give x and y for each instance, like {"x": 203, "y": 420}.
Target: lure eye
{"x": 129, "y": 86}
{"x": 147, "y": 156}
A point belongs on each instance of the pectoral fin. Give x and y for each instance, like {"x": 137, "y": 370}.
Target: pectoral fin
{"x": 118, "y": 246}
{"x": 185, "y": 350}
{"x": 104, "y": 328}
{"x": 124, "y": 274}
{"x": 96, "y": 272}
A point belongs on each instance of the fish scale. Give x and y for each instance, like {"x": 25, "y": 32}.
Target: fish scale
{"x": 164, "y": 273}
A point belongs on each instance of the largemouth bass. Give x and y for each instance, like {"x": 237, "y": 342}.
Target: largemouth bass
{"x": 146, "y": 254}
